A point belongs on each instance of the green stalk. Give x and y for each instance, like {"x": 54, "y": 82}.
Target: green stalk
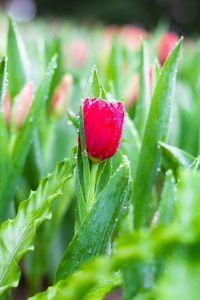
{"x": 93, "y": 175}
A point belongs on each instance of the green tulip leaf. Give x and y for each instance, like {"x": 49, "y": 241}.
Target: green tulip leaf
{"x": 85, "y": 159}
{"x": 155, "y": 131}
{"x": 130, "y": 145}
{"x": 18, "y": 62}
{"x": 156, "y": 75}
{"x": 103, "y": 93}
{"x": 167, "y": 202}
{"x": 4, "y": 157}
{"x": 174, "y": 158}
{"x": 94, "y": 281}
{"x": 17, "y": 236}
{"x": 23, "y": 139}
{"x": 3, "y": 77}
{"x": 100, "y": 275}
{"x": 143, "y": 102}
{"x": 93, "y": 89}
{"x": 96, "y": 230}
{"x": 113, "y": 70}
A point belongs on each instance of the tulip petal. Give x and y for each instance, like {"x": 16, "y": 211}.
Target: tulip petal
{"x": 103, "y": 123}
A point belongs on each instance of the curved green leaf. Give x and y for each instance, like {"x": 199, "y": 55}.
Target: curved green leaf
{"x": 165, "y": 239}
{"x": 94, "y": 233}
{"x": 17, "y": 236}
{"x": 98, "y": 276}
{"x": 18, "y": 63}
{"x": 22, "y": 141}
{"x": 174, "y": 158}
{"x": 155, "y": 131}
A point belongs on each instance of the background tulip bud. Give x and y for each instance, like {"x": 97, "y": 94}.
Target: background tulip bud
{"x": 133, "y": 88}
{"x": 79, "y": 51}
{"x": 21, "y": 105}
{"x": 61, "y": 97}
{"x": 167, "y": 44}
{"x": 103, "y": 124}
{"x": 6, "y": 107}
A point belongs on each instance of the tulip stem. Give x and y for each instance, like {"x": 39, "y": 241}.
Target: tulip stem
{"x": 93, "y": 174}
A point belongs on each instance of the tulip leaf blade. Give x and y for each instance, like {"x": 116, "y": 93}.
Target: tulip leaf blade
{"x": 103, "y": 176}
{"x": 23, "y": 141}
{"x": 174, "y": 158}
{"x": 156, "y": 75}
{"x": 59, "y": 72}
{"x": 93, "y": 89}
{"x": 143, "y": 102}
{"x": 188, "y": 211}
{"x": 73, "y": 118}
{"x": 18, "y": 62}
{"x": 18, "y": 235}
{"x": 3, "y": 69}
{"x": 4, "y": 157}
{"x": 81, "y": 204}
{"x": 131, "y": 143}
{"x": 167, "y": 202}
{"x": 86, "y": 166}
{"x": 155, "y": 131}
{"x": 113, "y": 69}
{"x": 94, "y": 233}
{"x": 103, "y": 93}
{"x": 92, "y": 286}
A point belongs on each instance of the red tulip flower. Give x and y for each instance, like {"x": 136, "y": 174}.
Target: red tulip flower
{"x": 103, "y": 124}
{"x": 167, "y": 44}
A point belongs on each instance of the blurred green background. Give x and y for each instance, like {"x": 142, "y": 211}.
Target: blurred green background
{"x": 183, "y": 16}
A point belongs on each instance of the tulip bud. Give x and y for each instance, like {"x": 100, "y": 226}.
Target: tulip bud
{"x": 79, "y": 50}
{"x": 6, "y": 107}
{"x": 167, "y": 44}
{"x": 61, "y": 97}
{"x": 133, "y": 88}
{"x": 131, "y": 36}
{"x": 21, "y": 105}
{"x": 103, "y": 124}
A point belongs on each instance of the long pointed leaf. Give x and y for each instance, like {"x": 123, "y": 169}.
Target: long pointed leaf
{"x": 18, "y": 63}
{"x": 155, "y": 131}
{"x": 93, "y": 88}
{"x": 93, "y": 235}
{"x": 3, "y": 69}
{"x": 143, "y": 103}
{"x": 23, "y": 141}
{"x": 4, "y": 156}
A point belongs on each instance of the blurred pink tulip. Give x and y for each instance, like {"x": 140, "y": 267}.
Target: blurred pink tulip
{"x": 6, "y": 107}
{"x": 167, "y": 44}
{"x": 131, "y": 36}
{"x": 21, "y": 105}
{"x": 133, "y": 89}
{"x": 61, "y": 97}
{"x": 79, "y": 51}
